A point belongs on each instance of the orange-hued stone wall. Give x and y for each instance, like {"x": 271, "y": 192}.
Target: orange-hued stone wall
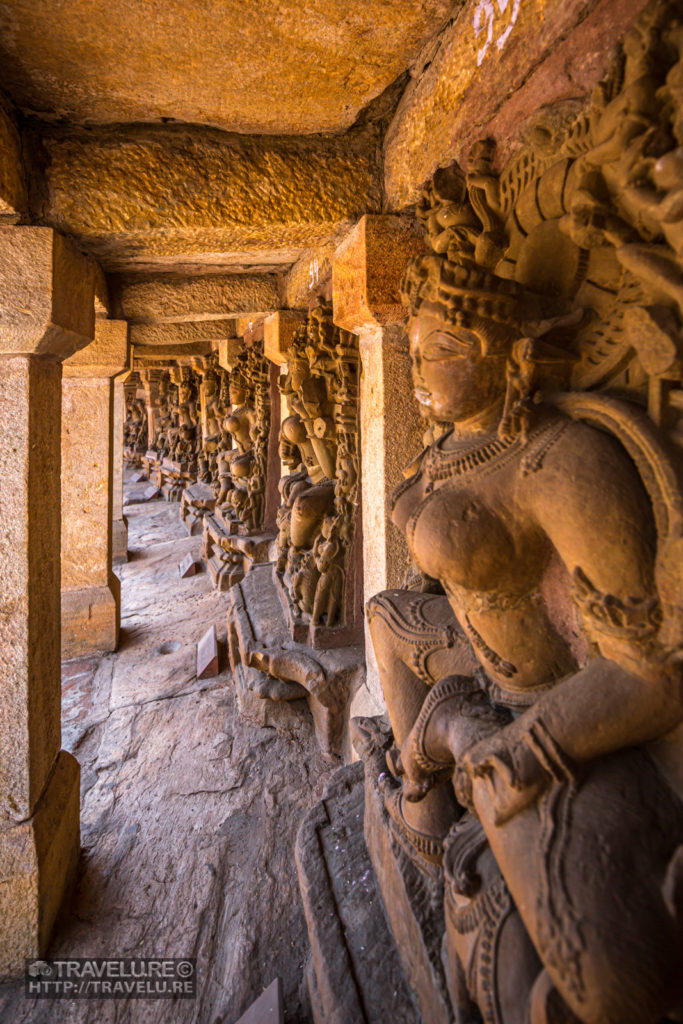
{"x": 539, "y": 52}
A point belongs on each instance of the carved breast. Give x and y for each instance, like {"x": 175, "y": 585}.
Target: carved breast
{"x": 461, "y": 533}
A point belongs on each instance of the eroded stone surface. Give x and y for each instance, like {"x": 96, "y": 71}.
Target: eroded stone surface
{"x": 176, "y": 302}
{"x": 130, "y": 196}
{"x": 553, "y": 51}
{"x": 240, "y": 65}
{"x": 189, "y": 814}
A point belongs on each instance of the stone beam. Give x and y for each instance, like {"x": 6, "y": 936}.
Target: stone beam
{"x": 279, "y": 330}
{"x": 164, "y": 195}
{"x": 492, "y": 70}
{"x": 167, "y": 299}
{"x": 182, "y": 334}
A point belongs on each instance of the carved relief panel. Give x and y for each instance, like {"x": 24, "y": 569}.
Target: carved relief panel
{"x": 535, "y": 780}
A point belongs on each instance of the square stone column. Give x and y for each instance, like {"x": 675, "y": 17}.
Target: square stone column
{"x": 91, "y": 599}
{"x": 366, "y": 277}
{"x": 46, "y": 313}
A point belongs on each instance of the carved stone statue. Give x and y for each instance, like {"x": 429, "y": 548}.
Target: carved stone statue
{"x": 241, "y": 457}
{"x": 135, "y": 425}
{"x": 316, "y": 524}
{"x": 199, "y": 498}
{"x": 534, "y": 682}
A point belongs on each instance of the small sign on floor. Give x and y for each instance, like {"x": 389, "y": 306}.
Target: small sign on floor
{"x": 189, "y": 566}
{"x": 267, "y": 1009}
{"x": 207, "y": 655}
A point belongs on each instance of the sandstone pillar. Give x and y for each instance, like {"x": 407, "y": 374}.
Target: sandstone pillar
{"x": 46, "y": 313}
{"x": 366, "y": 276}
{"x": 119, "y": 522}
{"x": 90, "y": 591}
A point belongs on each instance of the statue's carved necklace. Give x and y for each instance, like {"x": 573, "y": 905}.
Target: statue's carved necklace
{"x": 486, "y": 456}
{"x": 440, "y": 465}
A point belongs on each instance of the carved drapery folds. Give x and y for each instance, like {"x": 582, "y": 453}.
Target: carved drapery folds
{"x": 319, "y": 442}
{"x": 530, "y": 786}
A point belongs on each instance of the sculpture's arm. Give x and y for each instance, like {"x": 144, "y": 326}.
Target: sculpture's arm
{"x": 593, "y": 508}
{"x": 591, "y": 505}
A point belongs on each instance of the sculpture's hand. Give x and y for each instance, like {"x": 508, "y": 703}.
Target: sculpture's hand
{"x": 503, "y": 771}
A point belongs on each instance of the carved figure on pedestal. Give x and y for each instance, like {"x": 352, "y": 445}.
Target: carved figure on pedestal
{"x": 537, "y": 705}
{"x": 236, "y": 463}
{"x": 199, "y": 499}
{"x": 324, "y": 415}
{"x": 135, "y": 427}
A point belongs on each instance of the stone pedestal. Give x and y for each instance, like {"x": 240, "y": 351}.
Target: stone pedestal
{"x": 46, "y": 313}
{"x": 119, "y": 534}
{"x": 90, "y": 590}
{"x": 366, "y": 278}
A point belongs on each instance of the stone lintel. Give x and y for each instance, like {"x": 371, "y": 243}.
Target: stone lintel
{"x": 13, "y": 192}
{"x": 130, "y": 197}
{"x": 167, "y": 299}
{"x": 367, "y": 270}
{"x": 107, "y": 356}
{"x": 278, "y": 331}
{"x": 253, "y": 332}
{"x": 186, "y": 333}
{"x": 46, "y": 293}
{"x": 302, "y": 283}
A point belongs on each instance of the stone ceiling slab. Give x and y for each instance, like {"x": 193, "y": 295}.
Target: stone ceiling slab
{"x": 165, "y": 196}
{"x": 168, "y": 300}
{"x": 239, "y": 65}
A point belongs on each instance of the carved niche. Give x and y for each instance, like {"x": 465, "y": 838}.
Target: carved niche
{"x": 291, "y": 630}
{"x": 319, "y": 443}
{"x": 199, "y": 497}
{"x": 525, "y": 816}
{"x": 233, "y": 530}
{"x": 135, "y": 424}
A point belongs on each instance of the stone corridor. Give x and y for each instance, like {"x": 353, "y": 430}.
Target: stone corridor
{"x": 189, "y": 812}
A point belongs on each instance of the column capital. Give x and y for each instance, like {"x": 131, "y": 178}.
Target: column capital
{"x": 278, "y": 331}
{"x": 228, "y": 352}
{"x": 367, "y": 269}
{"x": 47, "y": 289}
{"x": 107, "y": 356}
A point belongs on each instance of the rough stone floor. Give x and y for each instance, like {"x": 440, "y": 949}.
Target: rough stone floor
{"x": 188, "y": 813}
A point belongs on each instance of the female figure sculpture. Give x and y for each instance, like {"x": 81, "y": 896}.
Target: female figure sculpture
{"x": 537, "y": 700}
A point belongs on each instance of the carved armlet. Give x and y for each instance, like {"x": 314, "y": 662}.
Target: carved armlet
{"x": 629, "y": 619}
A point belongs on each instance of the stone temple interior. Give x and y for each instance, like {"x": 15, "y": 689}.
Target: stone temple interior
{"x": 341, "y": 503}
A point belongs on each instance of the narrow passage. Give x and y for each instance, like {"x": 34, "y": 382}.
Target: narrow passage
{"x": 188, "y": 812}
